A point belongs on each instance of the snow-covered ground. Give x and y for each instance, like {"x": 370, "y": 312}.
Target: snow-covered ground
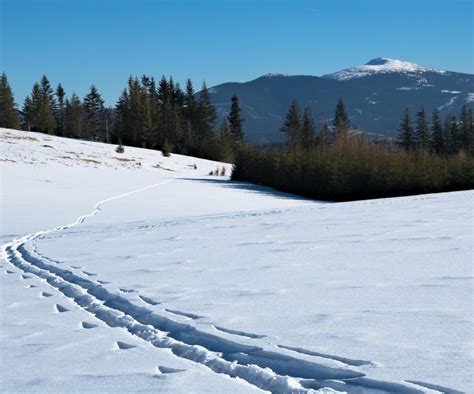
{"x": 135, "y": 272}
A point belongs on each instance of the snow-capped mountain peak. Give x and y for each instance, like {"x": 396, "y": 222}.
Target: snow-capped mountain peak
{"x": 381, "y": 65}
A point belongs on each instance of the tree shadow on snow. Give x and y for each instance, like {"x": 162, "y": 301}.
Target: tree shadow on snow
{"x": 249, "y": 187}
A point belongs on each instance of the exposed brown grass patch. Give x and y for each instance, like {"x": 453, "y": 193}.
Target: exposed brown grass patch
{"x": 124, "y": 159}
{"x": 19, "y": 137}
{"x": 91, "y": 161}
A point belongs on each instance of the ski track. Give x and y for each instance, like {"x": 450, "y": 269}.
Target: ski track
{"x": 267, "y": 370}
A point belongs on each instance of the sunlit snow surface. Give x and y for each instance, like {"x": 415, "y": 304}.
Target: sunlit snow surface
{"x": 381, "y": 65}
{"x": 193, "y": 283}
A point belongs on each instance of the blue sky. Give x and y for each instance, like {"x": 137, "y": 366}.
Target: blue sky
{"x": 80, "y": 42}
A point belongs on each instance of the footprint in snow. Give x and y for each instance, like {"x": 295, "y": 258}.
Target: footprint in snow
{"x": 61, "y": 308}
{"x": 76, "y": 267}
{"x": 124, "y": 346}
{"x": 31, "y": 286}
{"x": 89, "y": 273}
{"x": 127, "y": 290}
{"x": 45, "y": 294}
{"x": 10, "y": 272}
{"x": 88, "y": 326}
{"x": 165, "y": 370}
{"x": 25, "y": 276}
{"x": 148, "y": 300}
{"x": 103, "y": 282}
{"x": 185, "y": 314}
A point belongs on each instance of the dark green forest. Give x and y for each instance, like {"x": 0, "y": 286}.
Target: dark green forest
{"x": 327, "y": 161}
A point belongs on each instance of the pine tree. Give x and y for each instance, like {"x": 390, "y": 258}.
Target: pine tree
{"x": 451, "y": 132}
{"x": 292, "y": 126}
{"x": 466, "y": 136}
{"x": 225, "y": 142}
{"x": 47, "y": 106}
{"x": 60, "y": 114}
{"x": 437, "y": 137}
{"x": 8, "y": 113}
{"x": 406, "y": 138}
{"x": 323, "y": 139}
{"x": 307, "y": 131}
{"x": 31, "y": 109}
{"x": 75, "y": 118}
{"x": 422, "y": 133}
{"x": 341, "y": 121}
{"x": 189, "y": 112}
{"x": 235, "y": 120}
{"x": 206, "y": 113}
{"x": 122, "y": 129}
{"x": 94, "y": 113}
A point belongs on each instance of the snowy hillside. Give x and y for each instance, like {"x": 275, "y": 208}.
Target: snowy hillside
{"x": 135, "y": 272}
{"x": 381, "y": 65}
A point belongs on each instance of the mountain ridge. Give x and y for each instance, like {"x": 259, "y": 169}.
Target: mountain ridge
{"x": 376, "y": 94}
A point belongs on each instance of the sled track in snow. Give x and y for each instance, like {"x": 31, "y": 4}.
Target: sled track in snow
{"x": 268, "y": 370}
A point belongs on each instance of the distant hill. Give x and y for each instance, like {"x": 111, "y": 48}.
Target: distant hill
{"x": 375, "y": 95}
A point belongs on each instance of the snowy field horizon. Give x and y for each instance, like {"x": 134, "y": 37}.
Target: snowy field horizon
{"x": 135, "y": 272}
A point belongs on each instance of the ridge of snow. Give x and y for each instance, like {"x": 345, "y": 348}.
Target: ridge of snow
{"x": 381, "y": 65}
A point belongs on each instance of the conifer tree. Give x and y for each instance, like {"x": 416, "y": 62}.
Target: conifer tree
{"x": 46, "y": 107}
{"x": 94, "y": 114}
{"x": 466, "y": 136}
{"x": 451, "y": 132}
{"x": 225, "y": 142}
{"x": 437, "y": 137}
{"x": 307, "y": 131}
{"x": 122, "y": 116}
{"x": 75, "y": 118}
{"x": 323, "y": 139}
{"x": 292, "y": 126}
{"x": 60, "y": 114}
{"x": 8, "y": 113}
{"x": 341, "y": 120}
{"x": 31, "y": 109}
{"x": 422, "y": 133}
{"x": 406, "y": 138}
{"x": 235, "y": 120}
{"x": 206, "y": 112}
{"x": 189, "y": 111}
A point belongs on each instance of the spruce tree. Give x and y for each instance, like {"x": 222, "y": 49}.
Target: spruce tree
{"x": 323, "y": 139}
{"x": 31, "y": 108}
{"x": 8, "y": 113}
{"x": 190, "y": 111}
{"x": 60, "y": 114}
{"x": 48, "y": 107}
{"x": 406, "y": 138}
{"x": 307, "y": 131}
{"x": 341, "y": 121}
{"x": 94, "y": 113}
{"x": 75, "y": 118}
{"x": 225, "y": 142}
{"x": 466, "y": 137}
{"x": 292, "y": 126}
{"x": 122, "y": 129}
{"x": 235, "y": 120}
{"x": 452, "y": 135}
{"x": 206, "y": 112}
{"x": 422, "y": 133}
{"x": 437, "y": 137}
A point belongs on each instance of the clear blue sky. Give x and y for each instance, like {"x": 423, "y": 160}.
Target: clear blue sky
{"x": 80, "y": 42}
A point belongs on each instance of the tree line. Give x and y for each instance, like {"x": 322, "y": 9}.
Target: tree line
{"x": 332, "y": 162}
{"x": 147, "y": 114}
{"x": 325, "y": 161}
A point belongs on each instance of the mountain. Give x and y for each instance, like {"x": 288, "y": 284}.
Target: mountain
{"x": 375, "y": 94}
